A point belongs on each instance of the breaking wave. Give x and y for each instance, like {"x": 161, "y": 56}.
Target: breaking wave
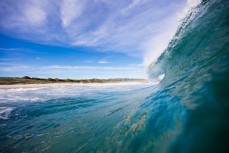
{"x": 187, "y": 112}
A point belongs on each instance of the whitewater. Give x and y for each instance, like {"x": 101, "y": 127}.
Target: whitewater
{"x": 187, "y": 112}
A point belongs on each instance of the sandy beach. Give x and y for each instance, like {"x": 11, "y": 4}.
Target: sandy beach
{"x": 65, "y": 84}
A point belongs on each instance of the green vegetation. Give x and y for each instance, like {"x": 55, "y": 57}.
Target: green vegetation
{"x": 34, "y": 80}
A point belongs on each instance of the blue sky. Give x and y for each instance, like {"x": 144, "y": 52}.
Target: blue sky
{"x": 84, "y": 39}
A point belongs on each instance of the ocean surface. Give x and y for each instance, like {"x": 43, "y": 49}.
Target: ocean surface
{"x": 187, "y": 112}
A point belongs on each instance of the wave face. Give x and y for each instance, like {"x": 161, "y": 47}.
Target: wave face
{"x": 187, "y": 112}
{"x": 196, "y": 77}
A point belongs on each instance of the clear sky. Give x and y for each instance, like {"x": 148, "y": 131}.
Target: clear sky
{"x": 84, "y": 39}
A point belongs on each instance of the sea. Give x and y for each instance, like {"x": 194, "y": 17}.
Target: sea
{"x": 186, "y": 112}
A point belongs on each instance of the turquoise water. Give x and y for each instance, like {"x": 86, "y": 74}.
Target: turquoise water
{"x": 71, "y": 118}
{"x": 187, "y": 112}
{"x": 196, "y": 69}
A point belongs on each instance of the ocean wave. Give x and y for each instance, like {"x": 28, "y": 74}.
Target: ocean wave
{"x": 191, "y": 24}
{"x": 196, "y": 78}
{"x": 187, "y": 112}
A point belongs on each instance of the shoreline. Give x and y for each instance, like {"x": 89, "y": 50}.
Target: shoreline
{"x": 13, "y": 86}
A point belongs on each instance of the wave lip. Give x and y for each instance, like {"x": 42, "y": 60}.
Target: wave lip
{"x": 159, "y": 43}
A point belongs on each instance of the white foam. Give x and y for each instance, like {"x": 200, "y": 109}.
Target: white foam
{"x": 5, "y": 112}
{"x": 161, "y": 77}
{"x": 190, "y": 5}
{"x": 60, "y": 91}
